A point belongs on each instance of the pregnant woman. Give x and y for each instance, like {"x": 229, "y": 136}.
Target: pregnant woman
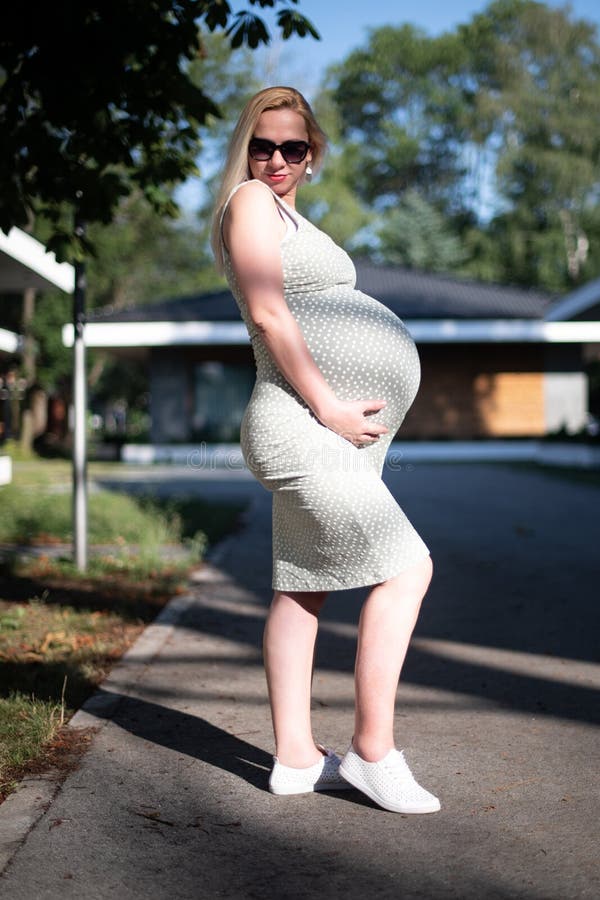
{"x": 336, "y": 373}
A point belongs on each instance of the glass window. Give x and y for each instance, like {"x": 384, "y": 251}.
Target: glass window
{"x": 221, "y": 394}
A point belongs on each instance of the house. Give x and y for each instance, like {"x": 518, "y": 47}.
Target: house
{"x": 25, "y": 268}
{"x": 496, "y": 361}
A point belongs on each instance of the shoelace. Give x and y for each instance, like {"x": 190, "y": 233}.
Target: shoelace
{"x": 398, "y": 761}
{"x": 398, "y": 767}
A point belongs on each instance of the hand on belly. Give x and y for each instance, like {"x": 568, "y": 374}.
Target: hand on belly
{"x": 351, "y": 420}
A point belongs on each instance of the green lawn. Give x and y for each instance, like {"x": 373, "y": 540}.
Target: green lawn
{"x": 61, "y": 630}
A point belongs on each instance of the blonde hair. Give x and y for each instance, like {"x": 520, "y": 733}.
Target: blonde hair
{"x": 236, "y": 166}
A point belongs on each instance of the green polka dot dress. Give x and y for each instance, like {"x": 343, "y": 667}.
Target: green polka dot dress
{"x": 335, "y": 524}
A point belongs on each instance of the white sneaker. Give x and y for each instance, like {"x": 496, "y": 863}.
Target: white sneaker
{"x": 389, "y": 783}
{"x": 322, "y": 776}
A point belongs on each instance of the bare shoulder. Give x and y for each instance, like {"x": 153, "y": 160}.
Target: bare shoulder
{"x": 252, "y": 196}
{"x": 251, "y": 204}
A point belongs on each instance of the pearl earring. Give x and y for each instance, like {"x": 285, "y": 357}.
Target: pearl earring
{"x": 308, "y": 173}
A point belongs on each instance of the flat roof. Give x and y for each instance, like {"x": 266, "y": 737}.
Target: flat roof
{"x": 25, "y": 262}
{"x": 428, "y": 331}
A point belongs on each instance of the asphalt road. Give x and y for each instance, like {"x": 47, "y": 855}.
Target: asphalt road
{"x": 498, "y": 712}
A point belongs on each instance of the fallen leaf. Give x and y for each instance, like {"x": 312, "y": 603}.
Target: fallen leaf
{"x": 52, "y": 637}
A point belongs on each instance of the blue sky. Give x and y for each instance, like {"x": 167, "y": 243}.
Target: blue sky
{"x": 344, "y": 25}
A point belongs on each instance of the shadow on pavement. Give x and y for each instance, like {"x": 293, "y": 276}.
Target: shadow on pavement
{"x": 189, "y": 734}
{"x": 335, "y": 653}
{"x": 197, "y": 738}
{"x": 514, "y": 569}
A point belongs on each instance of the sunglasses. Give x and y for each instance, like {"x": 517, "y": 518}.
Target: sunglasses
{"x": 293, "y": 152}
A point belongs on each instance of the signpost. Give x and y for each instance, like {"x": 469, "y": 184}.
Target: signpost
{"x": 80, "y": 547}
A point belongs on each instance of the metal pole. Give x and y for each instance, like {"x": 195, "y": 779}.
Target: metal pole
{"x": 79, "y": 415}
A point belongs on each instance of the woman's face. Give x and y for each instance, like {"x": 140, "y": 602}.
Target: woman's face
{"x": 278, "y": 126}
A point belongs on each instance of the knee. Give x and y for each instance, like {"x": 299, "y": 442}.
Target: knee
{"x": 414, "y": 580}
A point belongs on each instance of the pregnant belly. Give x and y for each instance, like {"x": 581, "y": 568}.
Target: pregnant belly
{"x": 363, "y": 350}
{"x": 366, "y": 353}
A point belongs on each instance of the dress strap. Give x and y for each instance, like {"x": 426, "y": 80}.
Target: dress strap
{"x": 284, "y": 208}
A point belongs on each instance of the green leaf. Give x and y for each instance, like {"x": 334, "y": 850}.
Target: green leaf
{"x": 292, "y": 22}
{"x": 135, "y": 125}
{"x": 248, "y": 29}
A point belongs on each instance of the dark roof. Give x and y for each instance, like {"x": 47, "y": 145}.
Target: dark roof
{"x": 409, "y": 293}
{"x": 413, "y": 294}
{"x": 215, "y": 307}
{"x": 591, "y": 314}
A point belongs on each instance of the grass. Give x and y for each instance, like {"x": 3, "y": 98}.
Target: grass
{"x": 16, "y": 451}
{"x": 39, "y": 514}
{"x": 57, "y": 652}
{"x": 61, "y": 631}
{"x": 36, "y": 509}
{"x": 60, "y": 634}
{"x": 27, "y": 726}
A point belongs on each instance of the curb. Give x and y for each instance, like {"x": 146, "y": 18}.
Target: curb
{"x": 22, "y": 809}
{"x": 198, "y": 460}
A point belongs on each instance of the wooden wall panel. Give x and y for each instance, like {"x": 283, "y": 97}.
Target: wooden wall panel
{"x": 469, "y": 391}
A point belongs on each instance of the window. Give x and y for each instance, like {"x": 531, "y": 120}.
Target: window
{"x": 221, "y": 394}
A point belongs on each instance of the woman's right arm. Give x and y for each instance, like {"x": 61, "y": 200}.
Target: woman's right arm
{"x": 252, "y": 229}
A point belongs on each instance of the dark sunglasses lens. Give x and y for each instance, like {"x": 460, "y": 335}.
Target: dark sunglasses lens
{"x": 294, "y": 151}
{"x": 261, "y": 150}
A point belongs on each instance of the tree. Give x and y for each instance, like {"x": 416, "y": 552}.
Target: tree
{"x": 231, "y": 78}
{"x": 96, "y": 103}
{"x": 537, "y": 102}
{"x": 54, "y": 361}
{"x": 399, "y": 113}
{"x": 332, "y": 201}
{"x": 415, "y": 234}
{"x": 494, "y": 125}
{"x": 143, "y": 256}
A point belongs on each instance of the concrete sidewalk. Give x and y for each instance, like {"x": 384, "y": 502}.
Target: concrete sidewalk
{"x": 498, "y": 712}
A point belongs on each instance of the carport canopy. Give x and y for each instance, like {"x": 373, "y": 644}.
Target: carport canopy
{"x": 25, "y": 263}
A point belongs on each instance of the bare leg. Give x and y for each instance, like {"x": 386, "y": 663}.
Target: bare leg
{"x": 387, "y": 620}
{"x": 288, "y": 645}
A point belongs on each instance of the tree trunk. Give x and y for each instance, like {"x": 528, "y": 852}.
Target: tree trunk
{"x": 28, "y": 353}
